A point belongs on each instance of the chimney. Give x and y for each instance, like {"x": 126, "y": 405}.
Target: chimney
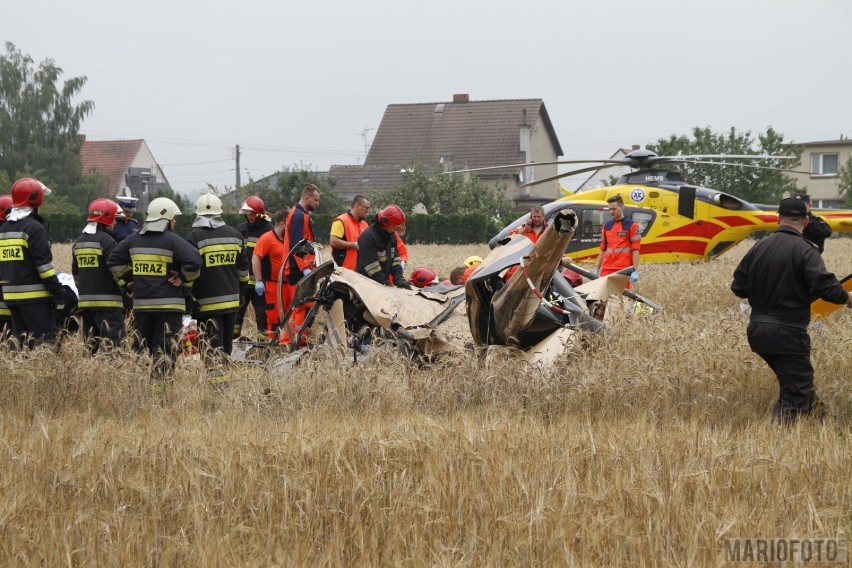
{"x": 461, "y": 98}
{"x": 636, "y": 146}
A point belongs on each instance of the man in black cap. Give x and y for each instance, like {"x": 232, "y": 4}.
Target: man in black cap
{"x": 817, "y": 230}
{"x": 780, "y": 276}
{"x": 127, "y": 225}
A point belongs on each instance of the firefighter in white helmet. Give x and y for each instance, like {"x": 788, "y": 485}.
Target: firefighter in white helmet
{"x": 154, "y": 263}
{"x": 224, "y": 272}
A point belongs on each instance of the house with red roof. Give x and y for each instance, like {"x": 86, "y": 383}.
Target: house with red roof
{"x": 125, "y": 163}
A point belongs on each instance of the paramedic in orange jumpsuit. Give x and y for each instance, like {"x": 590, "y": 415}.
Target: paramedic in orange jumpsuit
{"x": 620, "y": 242}
{"x": 266, "y": 261}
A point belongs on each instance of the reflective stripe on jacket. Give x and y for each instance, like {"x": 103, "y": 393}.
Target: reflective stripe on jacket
{"x": 224, "y": 267}
{"x": 26, "y": 263}
{"x": 96, "y": 286}
{"x": 149, "y": 260}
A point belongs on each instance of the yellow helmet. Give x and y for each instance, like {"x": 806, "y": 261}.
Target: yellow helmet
{"x": 472, "y": 261}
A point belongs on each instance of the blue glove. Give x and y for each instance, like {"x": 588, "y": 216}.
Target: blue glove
{"x": 634, "y": 276}
{"x": 402, "y": 264}
{"x": 259, "y": 288}
{"x": 597, "y": 271}
{"x": 306, "y": 271}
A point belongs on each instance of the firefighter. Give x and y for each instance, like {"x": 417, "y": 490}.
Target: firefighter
{"x": 224, "y": 272}
{"x": 378, "y": 256}
{"x": 100, "y": 299}
{"x": 5, "y": 314}
{"x": 31, "y": 289}
{"x": 155, "y": 262}
{"x": 256, "y": 224}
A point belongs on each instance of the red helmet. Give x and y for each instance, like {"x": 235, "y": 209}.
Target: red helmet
{"x": 422, "y": 277}
{"x": 253, "y": 204}
{"x": 391, "y": 217}
{"x": 5, "y": 205}
{"x": 103, "y": 211}
{"x": 28, "y": 192}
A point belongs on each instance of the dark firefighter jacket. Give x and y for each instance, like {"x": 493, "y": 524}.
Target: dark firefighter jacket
{"x": 379, "y": 258}
{"x": 26, "y": 263}
{"x": 224, "y": 268}
{"x": 251, "y": 232}
{"x": 96, "y": 287}
{"x": 148, "y": 260}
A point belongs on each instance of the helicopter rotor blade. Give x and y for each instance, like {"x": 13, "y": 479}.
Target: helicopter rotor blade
{"x": 751, "y": 166}
{"x": 613, "y": 161}
{"x": 566, "y": 174}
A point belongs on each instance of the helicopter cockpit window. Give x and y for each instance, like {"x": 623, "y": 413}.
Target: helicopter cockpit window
{"x": 591, "y": 222}
{"x": 644, "y": 219}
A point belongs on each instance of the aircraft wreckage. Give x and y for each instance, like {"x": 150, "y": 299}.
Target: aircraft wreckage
{"x": 535, "y": 313}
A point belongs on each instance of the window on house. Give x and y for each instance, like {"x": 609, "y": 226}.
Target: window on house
{"x": 824, "y": 164}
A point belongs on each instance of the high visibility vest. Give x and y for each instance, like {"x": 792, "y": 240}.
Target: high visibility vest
{"x": 618, "y": 241}
{"x": 352, "y": 229}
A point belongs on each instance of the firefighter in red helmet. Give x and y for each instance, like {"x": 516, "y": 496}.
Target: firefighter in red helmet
{"x": 100, "y": 300}
{"x": 257, "y": 223}
{"x": 378, "y": 253}
{"x": 31, "y": 289}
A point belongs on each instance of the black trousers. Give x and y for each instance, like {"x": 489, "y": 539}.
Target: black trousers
{"x": 157, "y": 332}
{"x": 33, "y": 323}
{"x": 218, "y": 336}
{"x": 103, "y": 329}
{"x": 786, "y": 349}
{"x": 259, "y": 304}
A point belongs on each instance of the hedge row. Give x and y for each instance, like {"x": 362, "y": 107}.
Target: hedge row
{"x": 422, "y": 229}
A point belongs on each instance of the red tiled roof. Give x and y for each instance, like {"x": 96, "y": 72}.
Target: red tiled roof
{"x": 473, "y": 133}
{"x": 110, "y": 158}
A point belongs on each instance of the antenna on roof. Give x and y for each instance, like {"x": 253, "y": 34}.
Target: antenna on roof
{"x": 363, "y": 134}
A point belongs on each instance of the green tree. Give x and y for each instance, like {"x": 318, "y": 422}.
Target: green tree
{"x": 181, "y": 201}
{"x": 747, "y": 181}
{"x": 39, "y": 126}
{"x": 440, "y": 192}
{"x": 844, "y": 183}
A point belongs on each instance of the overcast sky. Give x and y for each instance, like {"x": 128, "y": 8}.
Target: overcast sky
{"x": 300, "y": 83}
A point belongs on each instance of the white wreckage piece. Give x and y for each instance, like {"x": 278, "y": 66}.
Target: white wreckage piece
{"x": 535, "y": 315}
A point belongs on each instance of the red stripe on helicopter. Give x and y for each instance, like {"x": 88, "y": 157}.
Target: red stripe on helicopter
{"x": 684, "y": 246}
{"x": 735, "y": 220}
{"x": 768, "y": 218}
{"x": 702, "y": 229}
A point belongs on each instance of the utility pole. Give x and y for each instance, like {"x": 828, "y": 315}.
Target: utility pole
{"x": 237, "y": 155}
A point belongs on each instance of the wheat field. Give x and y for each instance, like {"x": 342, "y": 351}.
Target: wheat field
{"x": 647, "y": 447}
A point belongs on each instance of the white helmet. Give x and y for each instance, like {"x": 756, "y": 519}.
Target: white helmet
{"x": 162, "y": 208}
{"x": 208, "y": 204}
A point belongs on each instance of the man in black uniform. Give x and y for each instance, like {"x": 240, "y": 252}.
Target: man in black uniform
{"x": 378, "y": 257}
{"x": 224, "y": 270}
{"x": 257, "y": 223}
{"x": 100, "y": 300}
{"x": 155, "y": 262}
{"x": 780, "y": 276}
{"x": 31, "y": 289}
{"x": 817, "y": 230}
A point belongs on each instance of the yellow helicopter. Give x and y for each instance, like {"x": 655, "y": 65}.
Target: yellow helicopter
{"x": 678, "y": 221}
